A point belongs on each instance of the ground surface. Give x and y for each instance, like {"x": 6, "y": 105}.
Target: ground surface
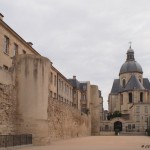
{"x": 98, "y": 143}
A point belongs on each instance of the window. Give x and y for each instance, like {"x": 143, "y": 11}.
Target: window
{"x": 84, "y": 87}
{"x": 84, "y": 97}
{"x": 67, "y": 90}
{"x": 24, "y": 52}
{"x": 130, "y": 97}
{"x": 5, "y": 67}
{"x": 140, "y": 80}
{"x": 129, "y": 126}
{"x": 84, "y": 105}
{"x": 59, "y": 83}
{"x": 133, "y": 126}
{"x": 55, "y": 81}
{"x": 15, "y": 49}
{"x": 137, "y": 109}
{"x": 70, "y": 92}
{"x": 123, "y": 83}
{"x": 6, "y": 44}
{"x": 141, "y": 96}
{"x": 54, "y": 95}
{"x": 74, "y": 95}
{"x": 146, "y": 118}
{"x": 106, "y": 127}
{"x": 137, "y": 118}
{"x": 121, "y": 99}
{"x": 146, "y": 109}
{"x": 62, "y": 86}
{"x": 51, "y": 78}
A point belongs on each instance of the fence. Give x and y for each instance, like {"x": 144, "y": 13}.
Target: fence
{"x": 15, "y": 140}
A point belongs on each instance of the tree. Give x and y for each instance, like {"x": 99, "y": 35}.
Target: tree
{"x": 114, "y": 115}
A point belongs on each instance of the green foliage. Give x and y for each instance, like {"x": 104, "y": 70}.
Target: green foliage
{"x": 114, "y": 115}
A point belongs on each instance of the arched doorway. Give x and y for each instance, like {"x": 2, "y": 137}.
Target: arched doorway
{"x": 118, "y": 125}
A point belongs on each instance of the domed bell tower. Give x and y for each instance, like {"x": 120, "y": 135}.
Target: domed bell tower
{"x": 129, "y": 68}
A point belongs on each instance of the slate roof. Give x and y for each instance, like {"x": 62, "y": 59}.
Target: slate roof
{"x": 131, "y": 66}
{"x": 146, "y": 83}
{"x": 133, "y": 83}
{"x": 75, "y": 83}
{"x": 116, "y": 88}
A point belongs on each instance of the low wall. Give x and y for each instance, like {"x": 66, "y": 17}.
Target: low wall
{"x": 66, "y": 122}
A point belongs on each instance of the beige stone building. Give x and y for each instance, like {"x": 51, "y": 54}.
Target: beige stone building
{"x": 130, "y": 96}
{"x": 38, "y": 99}
{"x": 88, "y": 99}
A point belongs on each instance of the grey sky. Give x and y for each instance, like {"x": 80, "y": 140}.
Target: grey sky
{"x": 86, "y": 38}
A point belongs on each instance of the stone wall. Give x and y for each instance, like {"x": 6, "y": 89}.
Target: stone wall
{"x": 66, "y": 122}
{"x": 7, "y": 109}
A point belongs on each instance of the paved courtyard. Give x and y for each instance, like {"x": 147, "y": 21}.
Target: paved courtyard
{"x": 98, "y": 143}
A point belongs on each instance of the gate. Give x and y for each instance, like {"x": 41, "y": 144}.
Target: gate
{"x": 15, "y": 140}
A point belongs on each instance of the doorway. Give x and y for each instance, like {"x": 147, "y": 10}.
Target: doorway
{"x": 118, "y": 125}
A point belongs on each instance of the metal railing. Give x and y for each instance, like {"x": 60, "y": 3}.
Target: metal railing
{"x": 15, "y": 140}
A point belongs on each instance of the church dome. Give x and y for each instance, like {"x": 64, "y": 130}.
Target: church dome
{"x": 130, "y": 50}
{"x": 130, "y": 65}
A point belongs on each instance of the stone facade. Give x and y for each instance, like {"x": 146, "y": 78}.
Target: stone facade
{"x": 130, "y": 96}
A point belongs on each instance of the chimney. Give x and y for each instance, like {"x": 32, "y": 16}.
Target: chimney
{"x": 74, "y": 77}
{"x": 30, "y": 43}
{"x": 1, "y": 16}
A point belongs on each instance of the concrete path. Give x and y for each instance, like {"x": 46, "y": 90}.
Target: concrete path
{"x": 98, "y": 143}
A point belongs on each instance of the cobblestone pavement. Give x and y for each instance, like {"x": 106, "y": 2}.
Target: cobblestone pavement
{"x": 98, "y": 143}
